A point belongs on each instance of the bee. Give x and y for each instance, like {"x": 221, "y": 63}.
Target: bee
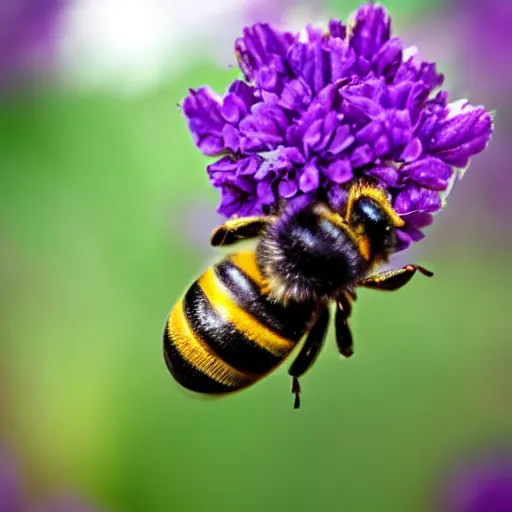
{"x": 247, "y": 313}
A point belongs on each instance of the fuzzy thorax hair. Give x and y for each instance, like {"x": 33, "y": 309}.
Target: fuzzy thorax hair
{"x": 309, "y": 256}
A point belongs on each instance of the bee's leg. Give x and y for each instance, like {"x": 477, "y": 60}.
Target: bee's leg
{"x": 296, "y": 392}
{"x": 309, "y": 352}
{"x": 343, "y": 334}
{"x": 393, "y": 279}
{"x": 242, "y": 228}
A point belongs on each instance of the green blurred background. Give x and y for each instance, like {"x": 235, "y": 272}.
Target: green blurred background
{"x": 100, "y": 198}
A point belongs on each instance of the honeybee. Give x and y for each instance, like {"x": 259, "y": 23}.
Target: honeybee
{"x": 244, "y": 316}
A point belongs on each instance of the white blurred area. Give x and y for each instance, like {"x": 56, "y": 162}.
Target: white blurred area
{"x": 132, "y": 45}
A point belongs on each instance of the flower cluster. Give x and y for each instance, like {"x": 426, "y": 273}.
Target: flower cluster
{"x": 480, "y": 483}
{"x": 14, "y": 498}
{"x": 318, "y": 109}
{"x": 28, "y": 33}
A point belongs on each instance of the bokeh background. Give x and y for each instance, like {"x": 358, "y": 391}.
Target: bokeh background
{"x": 105, "y": 211}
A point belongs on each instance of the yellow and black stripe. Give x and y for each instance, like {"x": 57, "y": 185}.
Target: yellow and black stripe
{"x": 225, "y": 334}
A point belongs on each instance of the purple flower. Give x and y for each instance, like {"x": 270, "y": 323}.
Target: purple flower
{"x": 13, "y": 497}
{"x": 27, "y": 30}
{"x": 480, "y": 485}
{"x": 10, "y": 485}
{"x": 320, "y": 108}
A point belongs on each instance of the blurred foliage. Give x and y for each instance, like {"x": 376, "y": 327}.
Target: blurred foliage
{"x": 90, "y": 268}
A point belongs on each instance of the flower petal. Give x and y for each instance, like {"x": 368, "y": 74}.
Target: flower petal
{"x": 417, "y": 199}
{"x": 461, "y": 136}
{"x": 362, "y": 155}
{"x": 205, "y": 120}
{"x": 265, "y": 192}
{"x": 296, "y": 95}
{"x": 249, "y": 166}
{"x": 236, "y": 201}
{"x": 388, "y": 59}
{"x": 342, "y": 59}
{"x": 337, "y": 29}
{"x": 310, "y": 178}
{"x": 341, "y": 140}
{"x": 311, "y": 63}
{"x": 261, "y": 45}
{"x": 429, "y": 172}
{"x": 287, "y": 188}
{"x": 403, "y": 240}
{"x": 412, "y": 150}
{"x": 339, "y": 171}
{"x": 234, "y": 108}
{"x": 371, "y": 30}
{"x": 388, "y": 176}
{"x": 222, "y": 171}
{"x": 231, "y": 137}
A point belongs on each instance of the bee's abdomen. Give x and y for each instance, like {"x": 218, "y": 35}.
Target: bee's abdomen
{"x": 225, "y": 334}
{"x": 231, "y": 344}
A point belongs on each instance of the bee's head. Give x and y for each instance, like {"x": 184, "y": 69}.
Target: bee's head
{"x": 373, "y": 222}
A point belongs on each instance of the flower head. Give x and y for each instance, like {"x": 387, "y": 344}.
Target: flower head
{"x": 27, "y": 35}
{"x": 482, "y": 484}
{"x": 14, "y": 496}
{"x": 317, "y": 109}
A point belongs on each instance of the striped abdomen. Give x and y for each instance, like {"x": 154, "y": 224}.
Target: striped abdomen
{"x": 225, "y": 334}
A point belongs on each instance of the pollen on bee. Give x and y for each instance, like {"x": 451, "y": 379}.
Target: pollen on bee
{"x": 265, "y": 289}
